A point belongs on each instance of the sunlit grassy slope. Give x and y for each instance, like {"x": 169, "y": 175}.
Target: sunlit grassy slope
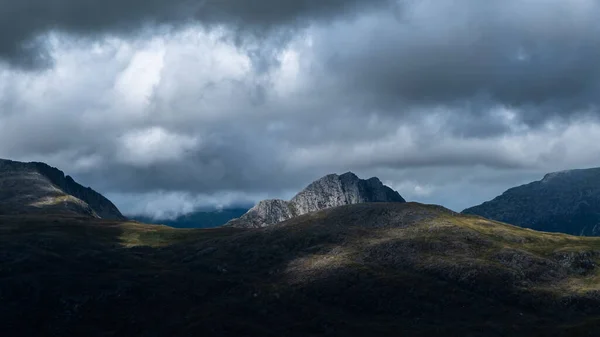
{"x": 358, "y": 270}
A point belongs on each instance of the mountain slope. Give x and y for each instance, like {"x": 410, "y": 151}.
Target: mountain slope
{"x": 371, "y": 269}
{"x": 38, "y": 188}
{"x": 330, "y": 191}
{"x": 567, "y": 202}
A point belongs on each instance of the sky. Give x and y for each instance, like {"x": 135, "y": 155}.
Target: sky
{"x": 169, "y": 106}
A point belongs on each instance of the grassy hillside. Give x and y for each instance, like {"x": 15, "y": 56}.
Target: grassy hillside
{"x": 359, "y": 270}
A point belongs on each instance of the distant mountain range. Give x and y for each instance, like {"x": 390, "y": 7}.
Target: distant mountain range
{"x": 201, "y": 219}
{"x": 566, "y": 202}
{"x": 330, "y": 191}
{"x": 37, "y": 188}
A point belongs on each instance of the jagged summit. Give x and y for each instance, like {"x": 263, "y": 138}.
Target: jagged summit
{"x": 37, "y": 188}
{"x": 329, "y": 191}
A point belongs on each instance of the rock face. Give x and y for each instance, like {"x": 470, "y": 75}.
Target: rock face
{"x": 567, "y": 202}
{"x": 330, "y": 191}
{"x": 36, "y": 188}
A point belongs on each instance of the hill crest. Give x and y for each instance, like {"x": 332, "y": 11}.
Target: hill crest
{"x": 565, "y": 201}
{"x": 39, "y": 188}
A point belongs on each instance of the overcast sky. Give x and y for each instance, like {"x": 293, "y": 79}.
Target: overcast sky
{"x": 170, "y": 105}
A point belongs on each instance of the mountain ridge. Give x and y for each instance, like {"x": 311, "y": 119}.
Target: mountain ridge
{"x": 564, "y": 201}
{"x": 329, "y": 191}
{"x": 36, "y": 187}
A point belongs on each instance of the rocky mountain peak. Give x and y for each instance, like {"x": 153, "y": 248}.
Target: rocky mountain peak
{"x": 40, "y": 188}
{"x": 350, "y": 176}
{"x": 329, "y": 191}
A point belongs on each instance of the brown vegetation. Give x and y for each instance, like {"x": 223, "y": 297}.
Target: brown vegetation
{"x": 359, "y": 270}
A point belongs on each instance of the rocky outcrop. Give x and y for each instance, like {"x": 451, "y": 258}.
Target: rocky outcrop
{"x": 330, "y": 191}
{"x": 566, "y": 201}
{"x": 41, "y": 189}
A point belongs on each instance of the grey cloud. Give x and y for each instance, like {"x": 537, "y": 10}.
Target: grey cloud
{"x": 455, "y": 187}
{"x": 450, "y": 106}
{"x": 539, "y": 57}
{"x": 22, "y": 22}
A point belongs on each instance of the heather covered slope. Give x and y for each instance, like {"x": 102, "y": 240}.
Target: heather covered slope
{"x": 36, "y": 188}
{"x": 566, "y": 202}
{"x": 378, "y": 269}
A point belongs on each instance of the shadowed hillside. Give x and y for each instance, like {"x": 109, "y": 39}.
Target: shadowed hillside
{"x": 36, "y": 188}
{"x": 385, "y": 269}
{"x": 565, "y": 202}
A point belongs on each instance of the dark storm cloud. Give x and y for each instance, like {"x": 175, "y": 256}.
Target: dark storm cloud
{"x": 255, "y": 98}
{"x": 540, "y": 57}
{"x": 21, "y": 22}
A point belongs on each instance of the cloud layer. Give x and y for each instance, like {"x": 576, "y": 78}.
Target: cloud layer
{"x": 22, "y": 22}
{"x": 213, "y": 103}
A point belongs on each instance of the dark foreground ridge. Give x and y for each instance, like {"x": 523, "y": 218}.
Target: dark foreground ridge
{"x": 566, "y": 202}
{"x": 375, "y": 269}
{"x": 330, "y": 191}
{"x": 36, "y": 188}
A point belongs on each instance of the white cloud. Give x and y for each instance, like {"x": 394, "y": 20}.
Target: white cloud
{"x": 153, "y": 145}
{"x": 136, "y": 83}
{"x": 412, "y": 190}
{"x": 162, "y": 205}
